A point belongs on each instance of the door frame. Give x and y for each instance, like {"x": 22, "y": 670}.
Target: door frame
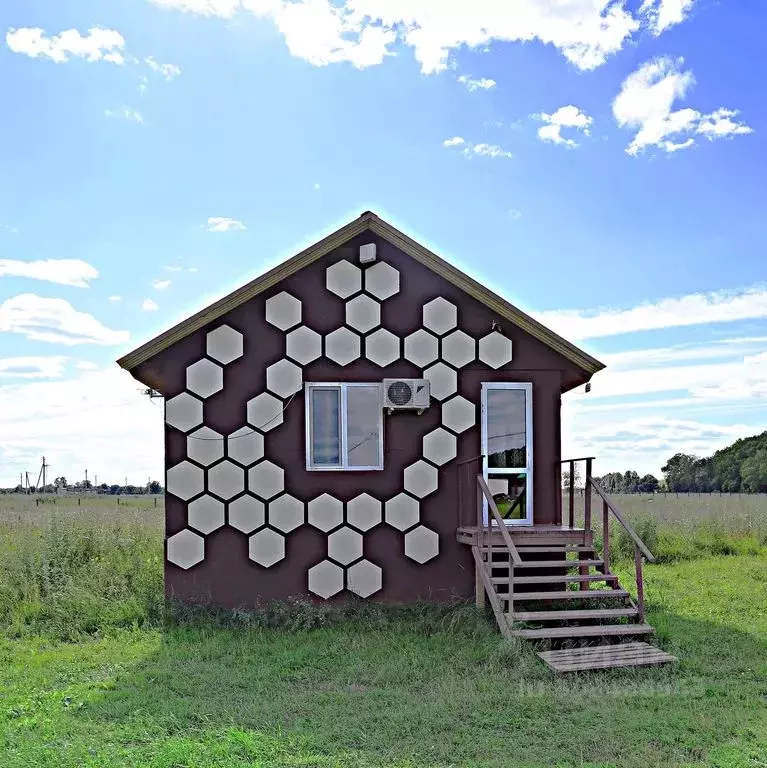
{"x": 528, "y": 469}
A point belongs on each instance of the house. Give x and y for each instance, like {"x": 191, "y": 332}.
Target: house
{"x": 331, "y": 425}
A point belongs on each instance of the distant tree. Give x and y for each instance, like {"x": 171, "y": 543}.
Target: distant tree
{"x": 630, "y": 482}
{"x": 679, "y": 472}
{"x": 60, "y": 482}
{"x": 753, "y": 472}
{"x": 648, "y": 484}
{"x": 155, "y": 487}
{"x": 115, "y": 490}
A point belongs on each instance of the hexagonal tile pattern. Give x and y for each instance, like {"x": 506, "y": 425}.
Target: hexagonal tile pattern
{"x": 264, "y": 412}
{"x": 245, "y": 446}
{"x": 286, "y": 513}
{"x": 226, "y": 480}
{"x": 458, "y": 349}
{"x": 205, "y": 514}
{"x": 439, "y": 446}
{"x": 363, "y": 313}
{"x": 266, "y": 547}
{"x": 303, "y": 345}
{"x": 284, "y": 378}
{"x": 363, "y": 512}
{"x": 283, "y": 311}
{"x": 443, "y": 380}
{"x": 342, "y": 346}
{"x": 382, "y": 280}
{"x": 458, "y": 414}
{"x": 224, "y": 344}
{"x": 495, "y": 349}
{"x": 402, "y": 512}
{"x": 421, "y": 544}
{"x": 343, "y": 278}
{"x": 247, "y": 513}
{"x": 325, "y": 512}
{"x": 204, "y": 378}
{"x": 266, "y": 480}
{"x": 185, "y": 480}
{"x": 440, "y": 316}
{"x": 382, "y": 347}
{"x": 421, "y": 348}
{"x": 420, "y": 479}
{"x": 186, "y": 549}
{"x": 345, "y": 546}
{"x": 184, "y": 412}
{"x": 326, "y": 579}
{"x": 205, "y": 446}
{"x": 364, "y": 578}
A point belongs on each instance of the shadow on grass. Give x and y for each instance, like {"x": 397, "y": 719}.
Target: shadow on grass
{"x": 405, "y": 692}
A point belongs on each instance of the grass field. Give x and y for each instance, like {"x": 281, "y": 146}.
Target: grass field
{"x": 95, "y": 671}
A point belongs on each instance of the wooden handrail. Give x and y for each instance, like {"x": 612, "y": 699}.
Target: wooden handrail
{"x": 619, "y": 517}
{"x": 580, "y": 458}
{"x": 491, "y": 505}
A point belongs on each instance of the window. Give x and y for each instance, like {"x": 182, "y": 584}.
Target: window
{"x": 344, "y": 426}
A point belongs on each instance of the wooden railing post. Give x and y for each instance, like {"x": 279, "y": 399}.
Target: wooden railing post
{"x": 606, "y": 536}
{"x": 479, "y": 582}
{"x": 587, "y": 498}
{"x": 572, "y": 495}
{"x": 640, "y": 582}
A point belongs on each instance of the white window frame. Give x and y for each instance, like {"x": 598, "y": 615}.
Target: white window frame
{"x": 343, "y": 387}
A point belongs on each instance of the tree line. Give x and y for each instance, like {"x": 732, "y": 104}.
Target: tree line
{"x": 60, "y": 485}
{"x": 738, "y": 468}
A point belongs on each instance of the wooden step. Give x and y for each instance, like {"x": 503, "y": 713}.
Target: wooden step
{"x": 567, "y": 594}
{"x": 596, "y": 613}
{"x": 548, "y": 550}
{"x": 559, "y": 579}
{"x": 560, "y": 633}
{"x": 559, "y": 563}
{"x": 606, "y": 657}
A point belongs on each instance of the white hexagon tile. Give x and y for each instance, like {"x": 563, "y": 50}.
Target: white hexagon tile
{"x": 226, "y": 480}
{"x": 458, "y": 349}
{"x": 266, "y": 480}
{"x": 286, "y": 513}
{"x": 224, "y": 344}
{"x": 303, "y": 345}
{"x": 382, "y": 347}
{"x": 325, "y": 512}
{"x": 345, "y": 545}
{"x": 283, "y": 311}
{"x": 420, "y": 479}
{"x": 247, "y": 513}
{"x": 439, "y": 446}
{"x": 440, "y": 316}
{"x": 343, "y": 278}
{"x": 342, "y": 346}
{"x": 458, "y": 414}
{"x": 245, "y": 446}
{"x": 363, "y": 512}
{"x": 363, "y": 313}
{"x": 381, "y": 280}
{"x": 184, "y": 412}
{"x": 326, "y": 579}
{"x": 204, "y": 378}
{"x": 184, "y": 480}
{"x": 443, "y": 380}
{"x": 364, "y": 578}
{"x": 205, "y": 514}
{"x": 421, "y": 544}
{"x": 264, "y": 412}
{"x": 402, "y": 512}
{"x": 495, "y": 350}
{"x": 205, "y": 446}
{"x": 185, "y": 549}
{"x": 421, "y": 348}
{"x": 266, "y": 547}
{"x": 284, "y": 378}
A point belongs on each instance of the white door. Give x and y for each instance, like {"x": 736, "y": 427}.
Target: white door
{"x": 507, "y": 448}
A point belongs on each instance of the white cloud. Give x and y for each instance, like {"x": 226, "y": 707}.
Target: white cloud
{"x": 98, "y": 44}
{"x": 488, "y": 150}
{"x": 693, "y": 309}
{"x": 168, "y": 71}
{"x": 662, "y": 14}
{"x": 32, "y": 367}
{"x": 72, "y": 272}
{"x": 149, "y": 306}
{"x": 483, "y": 83}
{"x": 645, "y": 103}
{"x": 73, "y": 422}
{"x": 224, "y": 224}
{"x": 86, "y": 365}
{"x": 160, "y": 285}
{"x": 115, "y": 298}
{"x": 55, "y": 321}
{"x": 453, "y": 142}
{"x": 127, "y": 114}
{"x": 586, "y": 32}
{"x": 565, "y": 117}
{"x": 179, "y": 268}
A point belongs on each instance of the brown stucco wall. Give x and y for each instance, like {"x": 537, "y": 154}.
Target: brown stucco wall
{"x": 226, "y": 576}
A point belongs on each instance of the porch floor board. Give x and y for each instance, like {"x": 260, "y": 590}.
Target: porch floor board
{"x": 606, "y": 657}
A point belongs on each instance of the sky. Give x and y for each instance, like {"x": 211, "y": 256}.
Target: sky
{"x": 598, "y": 163}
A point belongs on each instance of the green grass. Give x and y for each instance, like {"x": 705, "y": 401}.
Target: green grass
{"x": 94, "y": 671}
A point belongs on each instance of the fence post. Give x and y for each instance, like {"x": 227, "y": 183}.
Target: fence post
{"x": 606, "y": 536}
{"x": 640, "y": 582}
{"x": 572, "y": 494}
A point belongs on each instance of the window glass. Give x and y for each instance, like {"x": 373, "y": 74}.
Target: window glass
{"x": 363, "y": 426}
{"x": 506, "y": 422}
{"x": 326, "y": 426}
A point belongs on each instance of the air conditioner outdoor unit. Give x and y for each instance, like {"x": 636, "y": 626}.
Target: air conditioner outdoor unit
{"x": 402, "y": 394}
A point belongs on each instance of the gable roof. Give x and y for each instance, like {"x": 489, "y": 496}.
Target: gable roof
{"x": 368, "y": 221}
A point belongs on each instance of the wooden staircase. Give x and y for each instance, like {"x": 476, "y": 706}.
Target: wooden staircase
{"x": 550, "y": 585}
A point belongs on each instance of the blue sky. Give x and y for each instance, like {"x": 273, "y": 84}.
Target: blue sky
{"x": 598, "y": 163}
